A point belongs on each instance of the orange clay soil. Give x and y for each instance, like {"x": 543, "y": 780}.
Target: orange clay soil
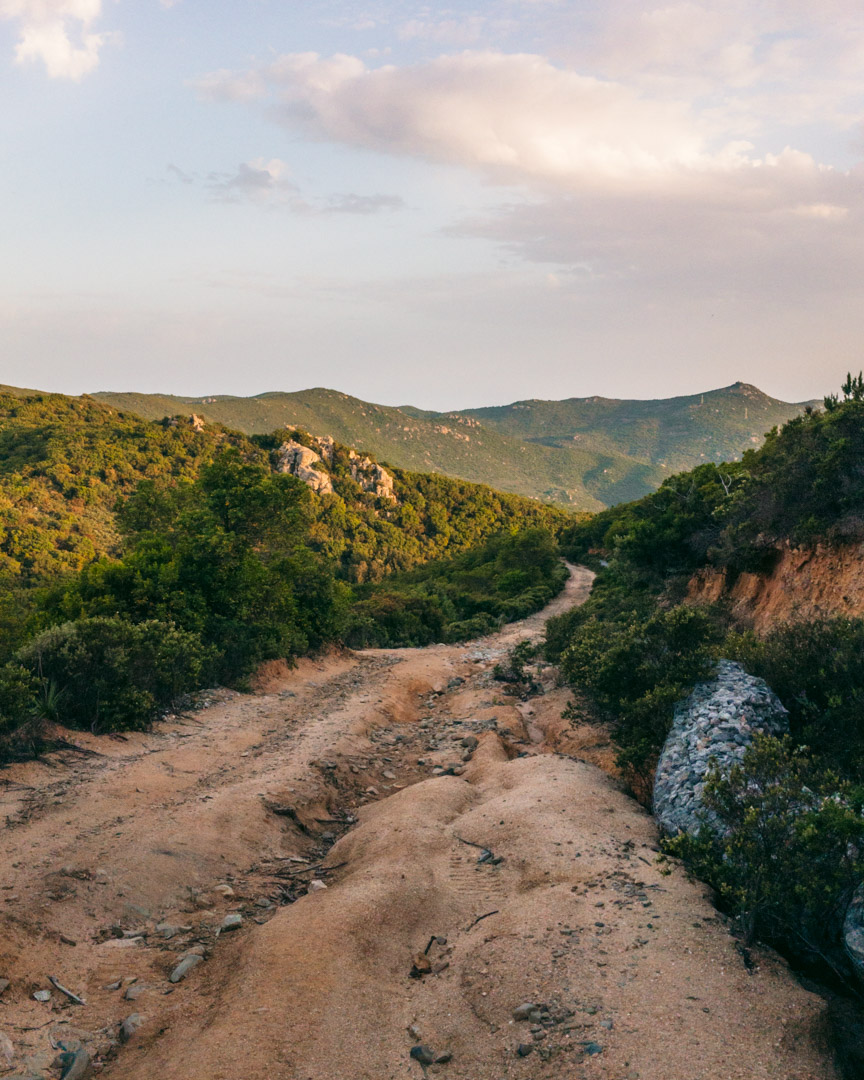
{"x": 375, "y": 774}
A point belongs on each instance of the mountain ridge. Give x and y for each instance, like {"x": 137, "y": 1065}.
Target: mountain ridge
{"x": 582, "y": 453}
{"x": 579, "y": 453}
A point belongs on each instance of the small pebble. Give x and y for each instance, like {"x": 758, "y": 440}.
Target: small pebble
{"x": 423, "y": 1054}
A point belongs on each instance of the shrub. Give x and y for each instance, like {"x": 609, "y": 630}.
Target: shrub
{"x": 507, "y": 578}
{"x": 113, "y": 674}
{"x": 785, "y": 852}
{"x": 635, "y": 669}
{"x": 466, "y": 629}
{"x": 20, "y": 726}
{"x": 816, "y": 668}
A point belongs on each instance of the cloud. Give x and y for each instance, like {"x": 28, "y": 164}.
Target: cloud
{"x": 362, "y": 204}
{"x": 775, "y": 241}
{"x": 268, "y": 184}
{"x": 57, "y": 33}
{"x": 259, "y": 181}
{"x": 637, "y": 183}
{"x": 515, "y": 117}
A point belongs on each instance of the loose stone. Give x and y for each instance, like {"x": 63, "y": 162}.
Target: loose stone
{"x": 187, "y": 964}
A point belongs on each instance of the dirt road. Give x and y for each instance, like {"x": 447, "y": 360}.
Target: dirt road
{"x": 347, "y": 814}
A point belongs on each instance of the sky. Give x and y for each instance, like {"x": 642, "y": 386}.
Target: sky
{"x": 444, "y": 206}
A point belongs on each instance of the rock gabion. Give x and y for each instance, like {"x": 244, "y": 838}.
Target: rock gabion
{"x": 853, "y": 932}
{"x": 717, "y": 721}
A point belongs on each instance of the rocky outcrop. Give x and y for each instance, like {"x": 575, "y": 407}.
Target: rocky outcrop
{"x": 371, "y": 476}
{"x": 326, "y": 446}
{"x": 300, "y": 461}
{"x": 717, "y": 721}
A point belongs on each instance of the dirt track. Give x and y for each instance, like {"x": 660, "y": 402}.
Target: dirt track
{"x": 236, "y": 809}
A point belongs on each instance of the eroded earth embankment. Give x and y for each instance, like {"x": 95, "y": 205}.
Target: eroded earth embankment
{"x": 804, "y": 583}
{"x": 476, "y": 857}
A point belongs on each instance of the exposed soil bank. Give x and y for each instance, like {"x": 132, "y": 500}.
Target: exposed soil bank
{"x": 804, "y": 584}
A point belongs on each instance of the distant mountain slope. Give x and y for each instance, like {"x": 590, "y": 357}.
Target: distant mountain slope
{"x": 583, "y": 452}
{"x": 455, "y": 446}
{"x": 676, "y": 433}
{"x": 66, "y": 463}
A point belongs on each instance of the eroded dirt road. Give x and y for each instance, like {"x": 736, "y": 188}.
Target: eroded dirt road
{"x": 431, "y": 805}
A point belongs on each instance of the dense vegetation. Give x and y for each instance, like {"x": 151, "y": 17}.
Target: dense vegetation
{"x": 582, "y": 453}
{"x": 786, "y": 852}
{"x": 805, "y": 485}
{"x": 141, "y": 560}
{"x": 782, "y": 851}
{"x": 509, "y": 577}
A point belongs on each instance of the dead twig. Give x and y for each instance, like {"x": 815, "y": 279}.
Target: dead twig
{"x": 480, "y": 918}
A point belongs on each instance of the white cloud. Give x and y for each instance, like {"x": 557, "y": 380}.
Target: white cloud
{"x": 515, "y": 116}
{"x": 57, "y": 32}
{"x": 648, "y": 182}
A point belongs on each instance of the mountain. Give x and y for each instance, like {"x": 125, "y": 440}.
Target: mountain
{"x": 672, "y": 433}
{"x": 454, "y": 445}
{"x": 583, "y": 453}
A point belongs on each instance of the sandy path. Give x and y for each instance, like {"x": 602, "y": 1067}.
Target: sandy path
{"x": 215, "y": 814}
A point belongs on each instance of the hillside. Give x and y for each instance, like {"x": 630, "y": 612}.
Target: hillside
{"x": 455, "y": 447}
{"x": 673, "y": 433}
{"x": 583, "y": 453}
{"x": 756, "y": 563}
{"x": 65, "y": 462}
{"x": 139, "y": 559}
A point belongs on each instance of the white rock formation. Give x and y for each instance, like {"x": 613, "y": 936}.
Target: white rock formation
{"x": 299, "y": 461}
{"x": 371, "y": 476}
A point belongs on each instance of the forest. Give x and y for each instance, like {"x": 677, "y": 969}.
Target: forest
{"x": 142, "y": 560}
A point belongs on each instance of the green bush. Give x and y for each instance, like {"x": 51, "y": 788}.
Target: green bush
{"x": 783, "y": 848}
{"x": 226, "y": 558}
{"x": 112, "y": 674}
{"x": 635, "y": 668}
{"x": 507, "y": 578}
{"x": 20, "y": 726}
{"x": 816, "y": 668}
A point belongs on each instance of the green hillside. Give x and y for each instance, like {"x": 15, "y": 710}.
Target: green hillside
{"x": 673, "y": 433}
{"x": 140, "y": 558}
{"x": 65, "y": 462}
{"x": 455, "y": 447}
{"x": 583, "y": 453}
{"x": 782, "y": 838}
